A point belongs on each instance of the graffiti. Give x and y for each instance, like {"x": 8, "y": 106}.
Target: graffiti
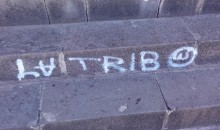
{"x": 182, "y": 57}
{"x": 145, "y": 61}
{"x": 22, "y": 73}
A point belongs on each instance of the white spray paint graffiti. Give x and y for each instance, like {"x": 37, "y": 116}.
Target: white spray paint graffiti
{"x": 107, "y": 64}
{"x": 149, "y": 61}
{"x": 132, "y": 64}
{"x": 185, "y": 55}
{"x": 21, "y": 71}
{"x": 42, "y": 67}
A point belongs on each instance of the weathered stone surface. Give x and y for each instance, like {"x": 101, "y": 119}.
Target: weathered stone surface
{"x": 193, "y": 96}
{"x": 194, "y": 117}
{"x": 170, "y": 8}
{"x": 121, "y": 9}
{"x": 94, "y": 67}
{"x": 19, "y": 106}
{"x": 204, "y": 128}
{"x": 203, "y": 27}
{"x": 26, "y": 12}
{"x": 205, "y": 31}
{"x": 207, "y": 36}
{"x": 66, "y": 11}
{"x": 114, "y": 34}
{"x": 209, "y": 53}
{"x": 113, "y": 38}
{"x": 155, "y": 58}
{"x": 9, "y": 66}
{"x": 128, "y": 122}
{"x": 84, "y": 36}
{"x": 31, "y": 39}
{"x": 211, "y": 6}
{"x": 125, "y": 102}
{"x": 22, "y": 12}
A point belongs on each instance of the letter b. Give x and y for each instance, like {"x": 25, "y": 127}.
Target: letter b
{"x": 151, "y": 61}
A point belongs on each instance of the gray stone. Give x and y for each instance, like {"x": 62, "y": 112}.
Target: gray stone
{"x": 194, "y": 117}
{"x": 10, "y": 70}
{"x": 171, "y": 8}
{"x": 22, "y": 12}
{"x": 84, "y": 36}
{"x": 75, "y": 68}
{"x": 128, "y": 122}
{"x": 19, "y": 106}
{"x": 209, "y": 53}
{"x": 31, "y": 39}
{"x": 113, "y": 38}
{"x": 121, "y": 9}
{"x": 113, "y": 102}
{"x": 203, "y": 27}
{"x": 66, "y": 11}
{"x": 9, "y": 67}
{"x": 211, "y": 6}
{"x": 204, "y": 128}
{"x": 193, "y": 96}
{"x": 205, "y": 30}
{"x": 112, "y": 34}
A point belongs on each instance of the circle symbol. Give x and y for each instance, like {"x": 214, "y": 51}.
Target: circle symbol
{"x": 182, "y": 57}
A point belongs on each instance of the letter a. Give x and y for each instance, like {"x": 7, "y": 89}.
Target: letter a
{"x": 21, "y": 71}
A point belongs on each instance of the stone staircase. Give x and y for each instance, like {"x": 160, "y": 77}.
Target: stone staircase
{"x": 134, "y": 72}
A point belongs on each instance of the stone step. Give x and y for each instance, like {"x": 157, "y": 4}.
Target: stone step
{"x": 29, "y": 12}
{"x": 102, "y": 48}
{"x": 142, "y": 101}
{"x": 203, "y": 128}
{"x": 117, "y": 75}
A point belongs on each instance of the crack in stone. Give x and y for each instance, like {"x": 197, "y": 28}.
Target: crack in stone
{"x": 86, "y": 9}
{"x": 158, "y": 9}
{"x": 168, "y": 111}
{"x": 158, "y": 84}
{"x": 41, "y": 102}
{"x": 48, "y": 16}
